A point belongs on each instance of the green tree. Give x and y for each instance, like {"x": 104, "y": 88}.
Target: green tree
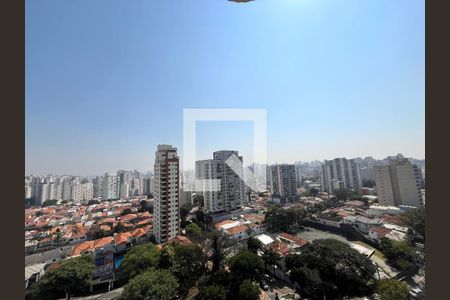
{"x": 151, "y": 285}
{"x": 194, "y": 232}
{"x": 415, "y": 218}
{"x": 212, "y": 292}
{"x": 199, "y": 200}
{"x": 248, "y": 291}
{"x": 400, "y": 255}
{"x": 188, "y": 264}
{"x": 253, "y": 245}
{"x": 126, "y": 211}
{"x": 246, "y": 265}
{"x": 280, "y": 219}
{"x": 119, "y": 228}
{"x": 91, "y": 202}
{"x": 165, "y": 257}
{"x": 218, "y": 251}
{"x": 337, "y": 269}
{"x": 314, "y": 192}
{"x": 185, "y": 209}
{"x": 49, "y": 202}
{"x": 270, "y": 258}
{"x": 140, "y": 258}
{"x": 220, "y": 277}
{"x": 71, "y": 276}
{"x": 391, "y": 289}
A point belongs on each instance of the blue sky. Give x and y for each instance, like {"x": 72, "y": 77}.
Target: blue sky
{"x": 107, "y": 80}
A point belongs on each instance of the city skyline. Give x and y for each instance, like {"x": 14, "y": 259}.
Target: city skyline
{"x": 102, "y": 93}
{"x": 150, "y": 170}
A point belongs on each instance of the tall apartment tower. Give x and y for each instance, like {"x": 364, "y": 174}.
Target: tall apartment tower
{"x": 284, "y": 181}
{"x": 398, "y": 183}
{"x": 231, "y": 193}
{"x": 110, "y": 186}
{"x": 166, "y": 193}
{"x": 340, "y": 172}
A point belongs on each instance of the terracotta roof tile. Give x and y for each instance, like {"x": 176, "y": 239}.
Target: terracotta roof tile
{"x": 122, "y": 237}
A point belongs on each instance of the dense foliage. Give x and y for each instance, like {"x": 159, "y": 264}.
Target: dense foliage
{"x": 330, "y": 268}
{"x": 152, "y": 285}
{"x": 248, "y": 291}
{"x": 416, "y": 220}
{"x": 280, "y": 219}
{"x": 246, "y": 265}
{"x": 188, "y": 265}
{"x": 253, "y": 245}
{"x": 400, "y": 255}
{"x": 194, "y": 232}
{"x": 391, "y": 289}
{"x": 140, "y": 258}
{"x": 212, "y": 292}
{"x": 218, "y": 251}
{"x": 71, "y": 276}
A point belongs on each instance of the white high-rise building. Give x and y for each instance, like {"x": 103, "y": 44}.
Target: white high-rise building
{"x": 231, "y": 193}
{"x": 87, "y": 191}
{"x": 44, "y": 193}
{"x": 76, "y": 192}
{"x": 110, "y": 187}
{"x": 27, "y": 191}
{"x": 341, "y": 169}
{"x": 398, "y": 183}
{"x": 166, "y": 193}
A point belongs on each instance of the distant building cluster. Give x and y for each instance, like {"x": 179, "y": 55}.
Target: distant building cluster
{"x": 122, "y": 185}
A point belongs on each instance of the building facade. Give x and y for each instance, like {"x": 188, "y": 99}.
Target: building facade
{"x": 284, "y": 181}
{"x": 110, "y": 187}
{"x": 230, "y": 193}
{"x": 166, "y": 193}
{"x": 341, "y": 172}
{"x": 398, "y": 183}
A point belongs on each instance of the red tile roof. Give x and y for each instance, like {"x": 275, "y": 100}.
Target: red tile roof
{"x": 102, "y": 242}
{"x": 299, "y": 241}
{"x": 221, "y": 223}
{"x": 122, "y": 237}
{"x": 237, "y": 229}
{"x": 280, "y": 248}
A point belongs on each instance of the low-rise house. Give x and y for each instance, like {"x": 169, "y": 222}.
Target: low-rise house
{"x": 142, "y": 234}
{"x": 280, "y": 248}
{"x": 264, "y": 239}
{"x": 122, "y": 241}
{"x": 49, "y": 256}
{"x": 379, "y": 210}
{"x": 396, "y": 235}
{"x": 361, "y": 223}
{"x": 293, "y": 241}
{"x": 237, "y": 232}
{"x": 378, "y": 232}
{"x": 354, "y": 204}
{"x": 33, "y": 273}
